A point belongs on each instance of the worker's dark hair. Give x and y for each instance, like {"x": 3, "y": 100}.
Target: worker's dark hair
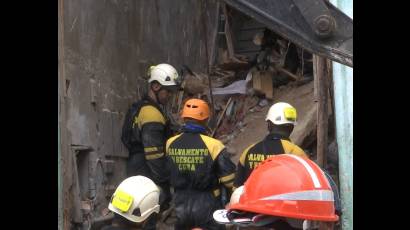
{"x": 153, "y": 82}
{"x": 203, "y": 123}
{"x": 285, "y": 129}
{"x": 122, "y": 221}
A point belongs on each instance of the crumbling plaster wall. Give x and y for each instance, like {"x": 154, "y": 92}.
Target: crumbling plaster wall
{"x": 105, "y": 48}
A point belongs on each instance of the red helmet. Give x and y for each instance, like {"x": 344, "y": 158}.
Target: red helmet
{"x": 288, "y": 186}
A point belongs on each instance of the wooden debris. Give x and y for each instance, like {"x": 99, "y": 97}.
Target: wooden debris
{"x": 180, "y": 96}
{"x": 86, "y": 205}
{"x": 195, "y": 84}
{"x": 262, "y": 82}
{"x": 321, "y": 82}
{"x": 228, "y": 34}
{"x": 293, "y": 76}
{"x": 221, "y": 116}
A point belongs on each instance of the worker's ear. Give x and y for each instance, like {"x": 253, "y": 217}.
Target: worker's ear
{"x": 270, "y": 126}
{"x": 155, "y": 86}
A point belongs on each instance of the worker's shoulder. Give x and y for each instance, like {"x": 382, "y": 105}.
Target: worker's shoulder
{"x": 288, "y": 143}
{"x": 172, "y": 139}
{"x": 214, "y": 146}
{"x": 149, "y": 113}
{"x": 250, "y": 148}
{"x": 211, "y": 140}
{"x": 256, "y": 147}
{"x": 292, "y": 148}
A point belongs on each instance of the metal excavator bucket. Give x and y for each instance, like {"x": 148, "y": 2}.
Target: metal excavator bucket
{"x": 315, "y": 25}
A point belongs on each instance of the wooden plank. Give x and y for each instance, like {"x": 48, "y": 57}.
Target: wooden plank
{"x": 293, "y": 76}
{"x": 228, "y": 34}
{"x": 180, "y": 96}
{"x": 262, "y": 82}
{"x": 321, "y": 80}
{"x": 214, "y": 36}
{"x": 221, "y": 116}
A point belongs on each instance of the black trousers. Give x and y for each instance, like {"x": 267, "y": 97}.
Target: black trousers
{"x": 195, "y": 209}
{"x": 137, "y": 165}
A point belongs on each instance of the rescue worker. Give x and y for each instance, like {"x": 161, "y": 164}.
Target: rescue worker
{"x": 284, "y": 192}
{"x": 134, "y": 204}
{"x": 199, "y": 166}
{"x": 147, "y": 127}
{"x": 281, "y": 119}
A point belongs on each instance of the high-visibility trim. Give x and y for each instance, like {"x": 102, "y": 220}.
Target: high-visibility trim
{"x": 215, "y": 146}
{"x": 229, "y": 185}
{"x": 216, "y": 192}
{"x": 149, "y": 114}
{"x": 153, "y": 156}
{"x": 122, "y": 200}
{"x": 227, "y": 178}
{"x": 170, "y": 140}
{"x": 151, "y": 149}
{"x": 312, "y": 173}
{"x": 244, "y": 154}
{"x": 291, "y": 148}
{"x": 312, "y": 195}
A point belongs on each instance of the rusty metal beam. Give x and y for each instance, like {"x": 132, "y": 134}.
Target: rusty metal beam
{"x": 295, "y": 21}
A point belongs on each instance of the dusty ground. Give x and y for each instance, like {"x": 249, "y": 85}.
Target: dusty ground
{"x": 302, "y": 98}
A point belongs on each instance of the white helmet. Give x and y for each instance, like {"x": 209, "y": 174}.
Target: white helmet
{"x": 236, "y": 195}
{"x": 282, "y": 113}
{"x": 136, "y": 198}
{"x": 165, "y": 74}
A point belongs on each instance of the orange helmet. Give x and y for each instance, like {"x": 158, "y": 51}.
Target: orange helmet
{"x": 195, "y": 108}
{"x": 288, "y": 186}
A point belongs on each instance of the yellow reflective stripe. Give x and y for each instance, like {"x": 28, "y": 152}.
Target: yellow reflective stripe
{"x": 291, "y": 148}
{"x": 170, "y": 140}
{"x": 215, "y": 146}
{"x": 216, "y": 192}
{"x": 150, "y": 149}
{"x": 148, "y": 114}
{"x": 122, "y": 200}
{"x": 244, "y": 154}
{"x": 229, "y": 185}
{"x": 227, "y": 178}
{"x": 153, "y": 156}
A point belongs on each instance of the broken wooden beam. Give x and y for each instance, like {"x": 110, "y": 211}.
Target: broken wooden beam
{"x": 228, "y": 35}
{"x": 321, "y": 83}
{"x": 180, "y": 96}
{"x": 262, "y": 83}
{"x": 221, "y": 116}
{"x": 293, "y": 76}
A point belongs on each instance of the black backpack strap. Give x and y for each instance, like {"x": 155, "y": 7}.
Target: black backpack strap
{"x": 129, "y": 135}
